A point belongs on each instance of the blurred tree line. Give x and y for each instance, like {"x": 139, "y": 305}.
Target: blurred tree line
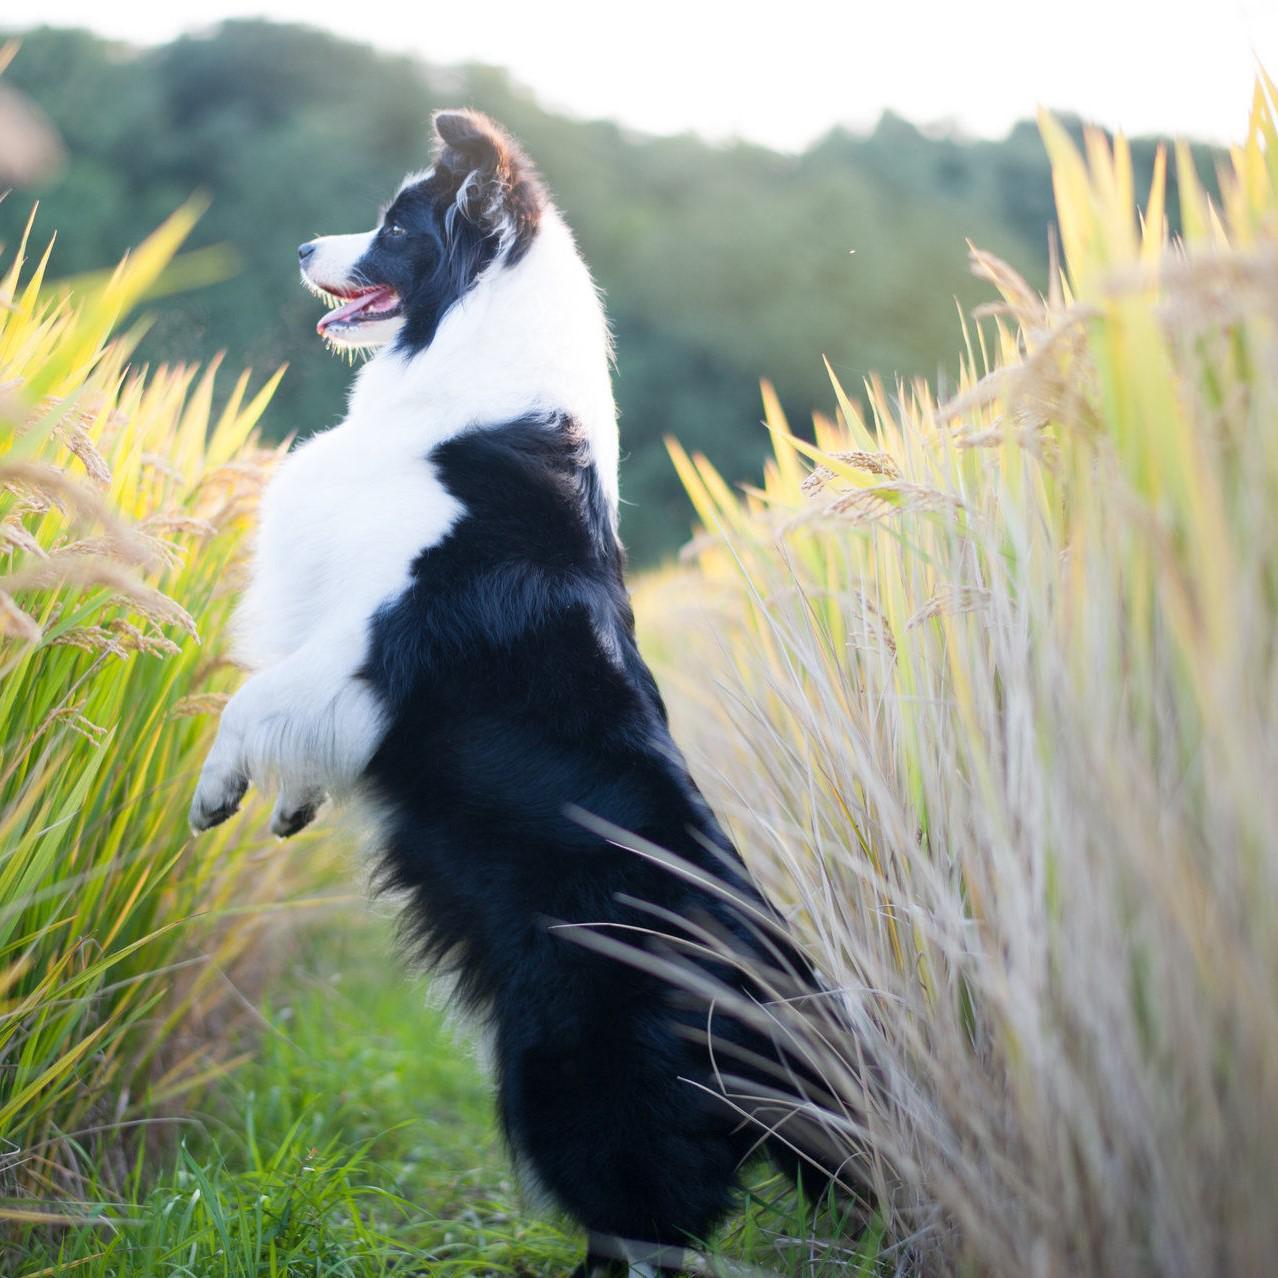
{"x": 721, "y": 264}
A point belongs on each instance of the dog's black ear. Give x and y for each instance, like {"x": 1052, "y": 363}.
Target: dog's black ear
{"x": 495, "y": 183}
{"x": 471, "y": 141}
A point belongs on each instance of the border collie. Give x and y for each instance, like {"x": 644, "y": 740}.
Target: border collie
{"x": 437, "y": 620}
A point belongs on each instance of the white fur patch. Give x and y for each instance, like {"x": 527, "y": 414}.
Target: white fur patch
{"x": 412, "y": 179}
{"x": 332, "y": 263}
{"x": 332, "y": 266}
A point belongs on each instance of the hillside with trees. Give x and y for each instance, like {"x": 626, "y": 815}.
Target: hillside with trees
{"x": 721, "y": 263}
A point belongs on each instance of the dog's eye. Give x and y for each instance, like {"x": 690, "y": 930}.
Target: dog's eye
{"x": 393, "y": 228}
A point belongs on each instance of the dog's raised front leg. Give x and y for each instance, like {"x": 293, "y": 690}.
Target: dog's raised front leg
{"x": 295, "y": 810}
{"x": 308, "y": 725}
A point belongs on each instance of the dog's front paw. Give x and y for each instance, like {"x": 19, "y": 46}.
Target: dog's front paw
{"x": 295, "y": 810}
{"x": 217, "y": 797}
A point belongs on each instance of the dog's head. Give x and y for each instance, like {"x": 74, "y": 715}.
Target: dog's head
{"x": 478, "y": 207}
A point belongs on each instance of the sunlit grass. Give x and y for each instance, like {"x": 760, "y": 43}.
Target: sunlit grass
{"x": 358, "y": 1140}
{"x": 124, "y": 508}
{"x": 988, "y": 689}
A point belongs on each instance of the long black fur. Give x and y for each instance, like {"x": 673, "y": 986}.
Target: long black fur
{"x": 517, "y": 695}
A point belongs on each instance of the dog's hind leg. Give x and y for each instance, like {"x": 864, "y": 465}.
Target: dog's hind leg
{"x": 608, "y": 1257}
{"x": 618, "y": 1133}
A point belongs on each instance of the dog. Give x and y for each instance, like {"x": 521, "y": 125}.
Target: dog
{"x": 438, "y": 621}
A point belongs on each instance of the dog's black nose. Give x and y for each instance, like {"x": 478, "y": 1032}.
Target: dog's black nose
{"x": 305, "y": 250}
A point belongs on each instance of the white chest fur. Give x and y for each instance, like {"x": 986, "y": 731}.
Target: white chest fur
{"x": 342, "y": 522}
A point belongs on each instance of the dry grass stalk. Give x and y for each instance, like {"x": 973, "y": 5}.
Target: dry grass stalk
{"x": 1032, "y": 843}
{"x": 124, "y": 512}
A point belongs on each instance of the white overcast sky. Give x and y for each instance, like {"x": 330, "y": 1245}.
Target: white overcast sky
{"x": 783, "y": 72}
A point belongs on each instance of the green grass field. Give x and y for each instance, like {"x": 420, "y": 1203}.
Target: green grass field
{"x": 358, "y": 1139}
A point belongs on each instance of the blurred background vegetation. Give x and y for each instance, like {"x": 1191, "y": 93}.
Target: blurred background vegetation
{"x": 721, "y": 263}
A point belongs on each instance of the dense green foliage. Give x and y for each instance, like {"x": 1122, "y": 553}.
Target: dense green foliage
{"x": 721, "y": 264}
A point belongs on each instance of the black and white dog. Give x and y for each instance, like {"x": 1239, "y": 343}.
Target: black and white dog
{"x": 437, "y": 619}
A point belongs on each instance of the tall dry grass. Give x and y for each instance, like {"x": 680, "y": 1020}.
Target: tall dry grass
{"x": 124, "y": 508}
{"x": 988, "y": 692}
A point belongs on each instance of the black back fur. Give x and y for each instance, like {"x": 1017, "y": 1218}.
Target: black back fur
{"x": 518, "y": 695}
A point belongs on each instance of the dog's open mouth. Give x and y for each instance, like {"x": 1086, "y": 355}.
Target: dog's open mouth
{"x": 357, "y": 306}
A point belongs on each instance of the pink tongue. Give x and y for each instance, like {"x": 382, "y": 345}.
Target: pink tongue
{"x": 349, "y": 309}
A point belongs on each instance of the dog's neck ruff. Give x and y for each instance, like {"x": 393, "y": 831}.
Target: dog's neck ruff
{"x": 524, "y": 339}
